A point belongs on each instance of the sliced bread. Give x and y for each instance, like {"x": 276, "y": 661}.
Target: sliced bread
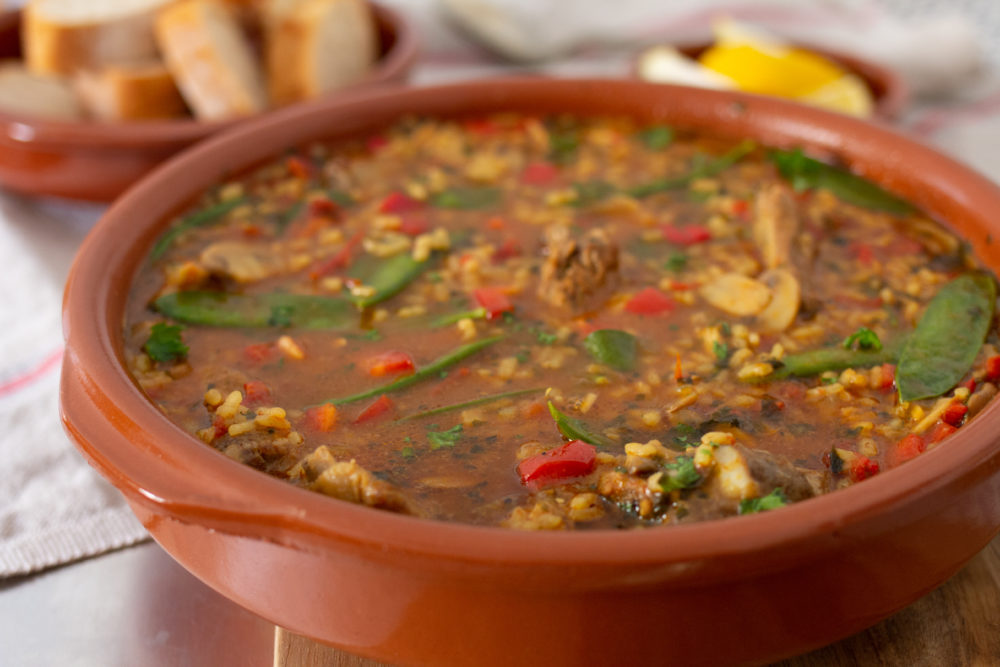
{"x": 315, "y": 46}
{"x": 65, "y": 36}
{"x": 22, "y": 92}
{"x": 211, "y": 59}
{"x": 144, "y": 91}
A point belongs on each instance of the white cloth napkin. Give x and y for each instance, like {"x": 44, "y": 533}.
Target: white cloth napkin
{"x": 54, "y": 509}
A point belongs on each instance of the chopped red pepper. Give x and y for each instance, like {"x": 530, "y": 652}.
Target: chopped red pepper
{"x": 954, "y": 414}
{"x": 413, "y": 225}
{"x": 509, "y": 248}
{"x": 863, "y": 252}
{"x": 251, "y": 231}
{"x": 298, "y": 167}
{"x": 339, "y": 260}
{"x": 993, "y": 368}
{"x": 686, "y": 235}
{"x": 572, "y": 459}
{"x": 325, "y": 207}
{"x": 969, "y": 384}
{"x": 494, "y": 300}
{"x": 941, "y": 431}
{"x": 539, "y": 173}
{"x": 398, "y": 202}
{"x": 888, "y": 376}
{"x": 220, "y": 426}
{"x": 259, "y": 352}
{"x": 322, "y": 417}
{"x": 909, "y": 447}
{"x": 650, "y": 301}
{"x": 392, "y": 361}
{"x": 479, "y": 125}
{"x": 256, "y": 392}
{"x": 741, "y": 208}
{"x": 382, "y": 405}
{"x": 862, "y": 468}
{"x": 375, "y": 142}
{"x": 496, "y": 222}
{"x": 678, "y": 371}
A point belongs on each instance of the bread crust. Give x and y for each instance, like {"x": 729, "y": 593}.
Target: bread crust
{"x": 144, "y": 91}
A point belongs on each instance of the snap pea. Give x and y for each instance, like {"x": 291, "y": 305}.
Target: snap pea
{"x": 468, "y": 198}
{"x": 219, "y": 309}
{"x": 388, "y": 278}
{"x": 706, "y": 169}
{"x": 614, "y": 348}
{"x": 429, "y": 371}
{"x": 948, "y": 337}
{"x": 473, "y": 403}
{"x": 196, "y": 219}
{"x": 805, "y": 173}
{"x": 574, "y": 429}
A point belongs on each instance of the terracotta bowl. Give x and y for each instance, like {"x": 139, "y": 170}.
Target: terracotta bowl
{"x": 888, "y": 89}
{"x": 414, "y": 591}
{"x": 98, "y": 161}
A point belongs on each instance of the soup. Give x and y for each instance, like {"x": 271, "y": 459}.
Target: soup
{"x": 561, "y": 323}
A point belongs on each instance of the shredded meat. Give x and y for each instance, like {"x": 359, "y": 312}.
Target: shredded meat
{"x": 346, "y": 480}
{"x": 576, "y": 269}
{"x": 771, "y": 471}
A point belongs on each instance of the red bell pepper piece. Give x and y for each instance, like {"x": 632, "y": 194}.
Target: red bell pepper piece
{"x": 954, "y": 414}
{"x": 509, "y": 248}
{"x": 888, "y": 376}
{"x": 650, "y": 301}
{"x": 942, "y": 431}
{"x": 322, "y": 417}
{"x": 686, "y": 235}
{"x": 993, "y": 368}
{"x": 298, "y": 167}
{"x": 539, "y": 173}
{"x": 480, "y": 125}
{"x": 741, "y": 208}
{"x": 494, "y": 300}
{"x": 398, "y": 202}
{"x": 413, "y": 225}
{"x": 969, "y": 384}
{"x": 324, "y": 207}
{"x": 375, "y": 142}
{"x": 259, "y": 352}
{"x": 909, "y": 447}
{"x": 862, "y": 468}
{"x": 256, "y": 392}
{"x": 573, "y": 459}
{"x": 379, "y": 407}
{"x": 340, "y": 259}
{"x": 863, "y": 252}
{"x": 389, "y": 362}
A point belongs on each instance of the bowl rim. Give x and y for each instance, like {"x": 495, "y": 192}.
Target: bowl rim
{"x": 43, "y": 132}
{"x": 125, "y": 436}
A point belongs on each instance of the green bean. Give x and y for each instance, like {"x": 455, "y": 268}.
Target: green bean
{"x": 805, "y": 173}
{"x": 196, "y": 219}
{"x": 837, "y": 358}
{"x": 614, "y": 348}
{"x": 389, "y": 277}
{"x": 430, "y": 370}
{"x": 574, "y": 429}
{"x": 219, "y": 309}
{"x": 467, "y": 198}
{"x": 445, "y": 320}
{"x": 948, "y": 337}
{"x": 705, "y": 170}
{"x": 483, "y": 400}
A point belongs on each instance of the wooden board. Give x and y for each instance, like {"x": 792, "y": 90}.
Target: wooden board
{"x": 958, "y": 625}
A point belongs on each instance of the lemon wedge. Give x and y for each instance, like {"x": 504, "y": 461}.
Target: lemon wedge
{"x": 848, "y": 94}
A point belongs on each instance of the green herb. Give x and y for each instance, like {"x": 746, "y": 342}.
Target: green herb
{"x": 446, "y": 320}
{"x": 837, "y": 358}
{"x": 430, "y": 370}
{"x": 340, "y": 198}
{"x": 434, "y": 277}
{"x": 467, "y": 198}
{"x": 592, "y": 192}
{"x": 863, "y": 339}
{"x": 165, "y": 343}
{"x": 948, "y": 337}
{"x": 408, "y": 453}
{"x": 614, "y": 348}
{"x": 546, "y": 338}
{"x": 805, "y": 173}
{"x": 677, "y": 262}
{"x": 679, "y": 474}
{"x": 372, "y": 334}
{"x": 197, "y": 219}
{"x": 574, "y": 429}
{"x": 522, "y": 356}
{"x": 721, "y": 352}
{"x": 704, "y": 169}
{"x": 771, "y": 501}
{"x": 686, "y": 435}
{"x": 828, "y": 379}
{"x": 285, "y": 218}
{"x": 483, "y": 400}
{"x": 562, "y": 146}
{"x": 276, "y": 309}
{"x": 439, "y": 439}
{"x": 387, "y": 277}
{"x": 656, "y": 137}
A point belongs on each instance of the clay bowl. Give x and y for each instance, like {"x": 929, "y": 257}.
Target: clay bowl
{"x": 97, "y": 161}
{"x": 414, "y": 591}
{"x": 888, "y": 89}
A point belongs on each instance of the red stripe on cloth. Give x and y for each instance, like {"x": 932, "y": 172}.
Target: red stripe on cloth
{"x": 26, "y": 378}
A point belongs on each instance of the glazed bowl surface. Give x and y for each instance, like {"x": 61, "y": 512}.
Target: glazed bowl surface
{"x": 96, "y": 161}
{"x": 413, "y": 591}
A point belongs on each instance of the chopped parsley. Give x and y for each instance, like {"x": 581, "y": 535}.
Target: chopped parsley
{"x": 407, "y": 453}
{"x": 165, "y": 343}
{"x": 546, "y": 338}
{"x": 863, "y": 339}
{"x": 439, "y": 439}
{"x": 771, "y": 501}
{"x": 656, "y": 137}
{"x": 686, "y": 435}
{"x": 721, "y": 352}
{"x": 677, "y": 262}
{"x": 679, "y": 474}
{"x": 562, "y": 146}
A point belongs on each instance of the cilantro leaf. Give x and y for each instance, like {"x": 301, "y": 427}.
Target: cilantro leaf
{"x": 864, "y": 338}
{"x": 680, "y": 474}
{"x": 656, "y": 137}
{"x": 439, "y": 439}
{"x": 677, "y": 262}
{"x": 721, "y": 352}
{"x": 165, "y": 343}
{"x": 773, "y": 500}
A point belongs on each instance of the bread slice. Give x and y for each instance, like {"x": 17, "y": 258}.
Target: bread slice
{"x": 144, "y": 91}
{"x": 22, "y": 92}
{"x": 211, "y": 59}
{"x": 315, "y": 46}
{"x": 65, "y": 36}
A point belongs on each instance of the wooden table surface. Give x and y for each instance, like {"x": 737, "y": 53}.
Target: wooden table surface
{"x": 956, "y": 625}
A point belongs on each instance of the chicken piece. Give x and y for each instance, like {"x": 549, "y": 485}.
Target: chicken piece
{"x": 780, "y": 312}
{"x": 346, "y": 480}
{"x": 742, "y": 473}
{"x": 620, "y": 487}
{"x": 242, "y": 262}
{"x": 775, "y": 225}
{"x": 737, "y": 294}
{"x": 576, "y": 269}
